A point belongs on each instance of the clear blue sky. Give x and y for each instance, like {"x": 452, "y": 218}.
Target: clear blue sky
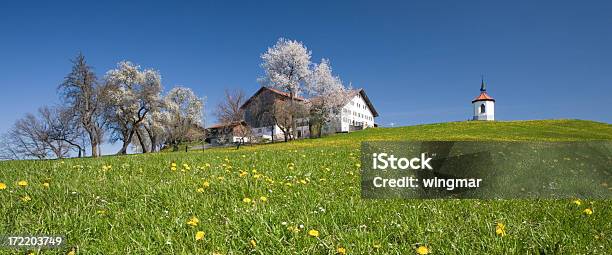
{"x": 419, "y": 62}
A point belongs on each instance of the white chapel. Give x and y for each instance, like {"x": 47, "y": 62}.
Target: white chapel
{"x": 483, "y": 104}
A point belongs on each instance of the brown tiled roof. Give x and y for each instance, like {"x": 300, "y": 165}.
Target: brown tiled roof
{"x": 285, "y": 94}
{"x": 220, "y": 125}
{"x": 352, "y": 93}
{"x": 275, "y": 91}
{"x": 483, "y": 97}
{"x": 365, "y": 97}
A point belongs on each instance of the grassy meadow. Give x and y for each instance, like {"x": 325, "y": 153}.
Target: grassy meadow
{"x": 301, "y": 197}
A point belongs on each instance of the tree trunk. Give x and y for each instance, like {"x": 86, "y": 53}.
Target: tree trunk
{"x": 175, "y": 145}
{"x": 152, "y": 138}
{"x": 315, "y": 129}
{"x": 126, "y": 143}
{"x": 93, "y": 140}
{"x": 293, "y": 130}
{"x": 94, "y": 150}
{"x": 142, "y": 144}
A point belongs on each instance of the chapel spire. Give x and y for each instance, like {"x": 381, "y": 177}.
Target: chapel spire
{"x": 482, "y": 84}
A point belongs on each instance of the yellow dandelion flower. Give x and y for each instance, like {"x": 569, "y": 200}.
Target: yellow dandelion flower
{"x": 22, "y": 183}
{"x": 253, "y": 243}
{"x": 45, "y": 184}
{"x": 313, "y": 233}
{"x": 72, "y": 251}
{"x": 376, "y": 246}
{"x": 577, "y": 202}
{"x": 2, "y": 185}
{"x": 26, "y": 198}
{"x": 199, "y": 235}
{"x": 588, "y": 211}
{"x": 358, "y": 165}
{"x": 246, "y": 200}
{"x": 200, "y": 190}
{"x": 173, "y": 168}
{"x": 206, "y": 184}
{"x": 193, "y": 221}
{"x": 341, "y": 250}
{"x": 102, "y": 212}
{"x": 500, "y": 229}
{"x": 243, "y": 173}
{"x": 422, "y": 250}
{"x": 173, "y": 164}
{"x": 263, "y": 199}
{"x": 303, "y": 181}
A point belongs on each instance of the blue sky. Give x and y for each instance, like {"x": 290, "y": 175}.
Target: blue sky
{"x": 420, "y": 62}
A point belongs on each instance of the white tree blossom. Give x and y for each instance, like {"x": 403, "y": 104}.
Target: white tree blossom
{"x": 157, "y": 128}
{"x": 327, "y": 95}
{"x": 184, "y": 110}
{"x": 132, "y": 94}
{"x": 286, "y": 66}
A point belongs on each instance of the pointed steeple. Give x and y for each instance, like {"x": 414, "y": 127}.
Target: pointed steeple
{"x": 482, "y": 84}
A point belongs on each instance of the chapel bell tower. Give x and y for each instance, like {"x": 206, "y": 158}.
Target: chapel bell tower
{"x": 483, "y": 105}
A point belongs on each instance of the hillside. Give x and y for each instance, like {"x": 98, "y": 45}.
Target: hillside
{"x": 540, "y": 130}
{"x": 265, "y": 199}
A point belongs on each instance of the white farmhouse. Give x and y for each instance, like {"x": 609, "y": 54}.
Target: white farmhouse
{"x": 483, "y": 105}
{"x": 358, "y": 113}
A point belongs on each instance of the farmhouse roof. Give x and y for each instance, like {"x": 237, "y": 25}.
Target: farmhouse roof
{"x": 220, "y": 125}
{"x": 365, "y": 97}
{"x": 275, "y": 91}
{"x": 352, "y": 93}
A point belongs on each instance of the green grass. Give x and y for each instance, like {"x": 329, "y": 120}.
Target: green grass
{"x": 141, "y": 206}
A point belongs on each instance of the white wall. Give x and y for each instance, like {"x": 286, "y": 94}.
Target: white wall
{"x": 489, "y": 113}
{"x": 355, "y": 112}
{"x": 266, "y": 132}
